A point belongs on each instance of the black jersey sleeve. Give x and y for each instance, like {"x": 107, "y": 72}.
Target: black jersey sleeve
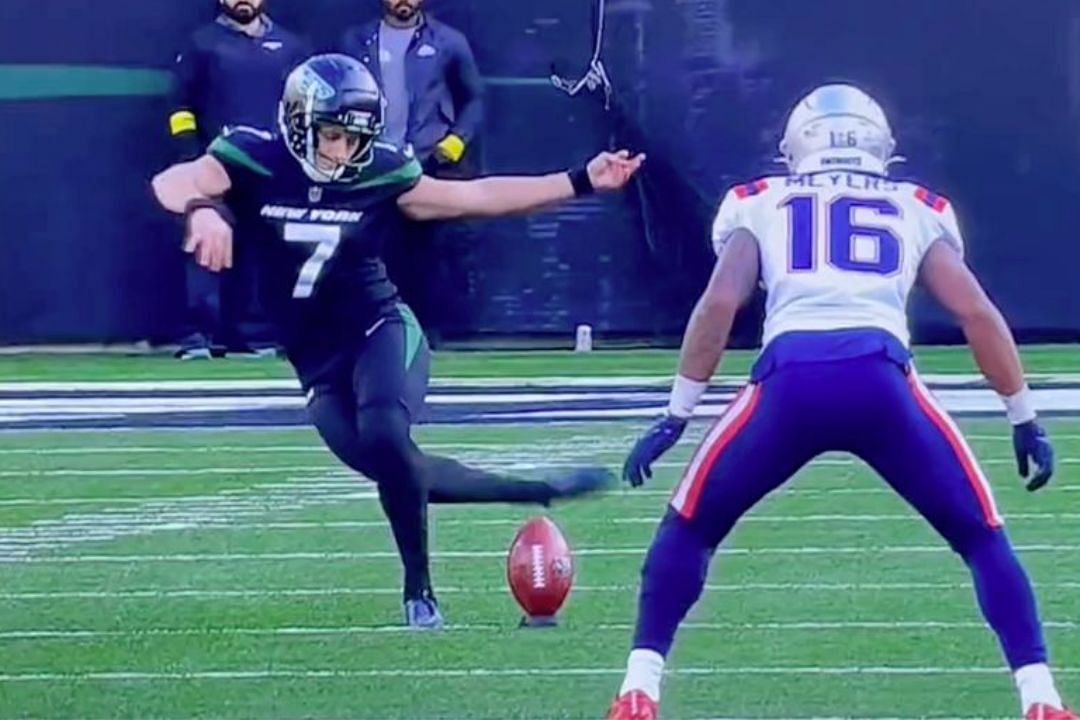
{"x": 392, "y": 172}
{"x": 248, "y": 154}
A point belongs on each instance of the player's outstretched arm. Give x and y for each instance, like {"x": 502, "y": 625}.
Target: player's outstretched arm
{"x": 731, "y": 285}
{"x": 948, "y": 278}
{"x": 193, "y": 189}
{"x": 499, "y": 196}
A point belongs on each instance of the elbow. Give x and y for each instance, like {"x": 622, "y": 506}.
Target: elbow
{"x": 165, "y": 192}
{"x": 158, "y": 183}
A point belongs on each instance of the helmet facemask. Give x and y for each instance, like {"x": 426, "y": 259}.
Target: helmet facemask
{"x": 300, "y": 125}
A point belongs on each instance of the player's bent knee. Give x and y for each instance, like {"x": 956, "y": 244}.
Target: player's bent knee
{"x": 678, "y": 546}
{"x": 975, "y": 537}
{"x": 384, "y": 443}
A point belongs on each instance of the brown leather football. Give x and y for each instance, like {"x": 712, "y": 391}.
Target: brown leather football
{"x": 540, "y": 568}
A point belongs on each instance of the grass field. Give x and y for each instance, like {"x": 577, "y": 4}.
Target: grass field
{"x": 57, "y": 368}
{"x": 245, "y": 575}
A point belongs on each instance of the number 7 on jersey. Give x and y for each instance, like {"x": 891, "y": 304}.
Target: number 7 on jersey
{"x": 326, "y": 239}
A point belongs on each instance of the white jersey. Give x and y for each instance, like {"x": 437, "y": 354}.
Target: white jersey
{"x": 838, "y": 250}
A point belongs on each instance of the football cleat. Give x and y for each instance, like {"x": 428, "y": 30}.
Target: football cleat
{"x": 1045, "y": 712}
{"x": 579, "y": 482}
{"x": 635, "y": 705}
{"x": 423, "y": 614}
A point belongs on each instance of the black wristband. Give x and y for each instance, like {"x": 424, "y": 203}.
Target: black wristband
{"x": 581, "y": 181}
{"x": 213, "y": 204}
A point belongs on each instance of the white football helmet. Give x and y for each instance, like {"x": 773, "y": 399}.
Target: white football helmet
{"x": 838, "y": 127}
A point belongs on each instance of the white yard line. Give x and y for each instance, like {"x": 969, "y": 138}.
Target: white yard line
{"x": 261, "y": 593}
{"x": 335, "y": 631}
{"x": 510, "y": 465}
{"x": 490, "y": 554}
{"x": 585, "y": 444}
{"x": 530, "y": 672}
{"x": 138, "y": 516}
{"x": 39, "y": 532}
{"x": 169, "y": 472}
{"x": 790, "y": 717}
{"x": 1064, "y": 376}
{"x": 649, "y": 520}
{"x": 352, "y": 490}
{"x": 361, "y": 494}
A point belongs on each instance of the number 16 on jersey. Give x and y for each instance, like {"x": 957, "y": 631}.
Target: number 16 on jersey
{"x": 850, "y": 246}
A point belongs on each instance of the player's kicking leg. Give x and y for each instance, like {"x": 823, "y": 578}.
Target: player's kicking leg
{"x": 920, "y": 452}
{"x": 367, "y": 424}
{"x": 754, "y": 448}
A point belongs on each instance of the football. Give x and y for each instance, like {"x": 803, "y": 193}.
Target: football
{"x": 540, "y": 571}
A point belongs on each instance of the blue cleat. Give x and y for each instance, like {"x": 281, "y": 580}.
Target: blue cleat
{"x": 423, "y": 614}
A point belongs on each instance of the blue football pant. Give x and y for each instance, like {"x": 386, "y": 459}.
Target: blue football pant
{"x": 869, "y": 407}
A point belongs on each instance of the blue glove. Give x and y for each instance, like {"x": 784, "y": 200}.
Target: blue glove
{"x": 660, "y": 438}
{"x": 1031, "y": 443}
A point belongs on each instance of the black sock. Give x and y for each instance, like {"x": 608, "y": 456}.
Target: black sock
{"x": 408, "y": 522}
{"x": 450, "y": 482}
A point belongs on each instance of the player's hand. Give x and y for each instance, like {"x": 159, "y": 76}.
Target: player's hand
{"x": 1033, "y": 445}
{"x": 612, "y": 171}
{"x": 660, "y": 438}
{"x": 210, "y": 240}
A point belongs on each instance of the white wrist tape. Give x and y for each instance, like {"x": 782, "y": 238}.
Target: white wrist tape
{"x": 1020, "y": 408}
{"x": 685, "y": 395}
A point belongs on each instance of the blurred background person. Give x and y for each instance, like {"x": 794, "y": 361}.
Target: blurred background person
{"x": 230, "y": 74}
{"x": 434, "y": 102}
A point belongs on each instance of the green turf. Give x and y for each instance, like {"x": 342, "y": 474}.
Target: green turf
{"x": 186, "y": 600}
{"x": 32, "y": 367}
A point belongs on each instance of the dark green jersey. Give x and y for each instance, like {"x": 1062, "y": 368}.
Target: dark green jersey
{"x": 319, "y": 245}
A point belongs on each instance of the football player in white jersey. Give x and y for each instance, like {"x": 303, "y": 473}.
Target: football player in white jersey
{"x": 838, "y": 246}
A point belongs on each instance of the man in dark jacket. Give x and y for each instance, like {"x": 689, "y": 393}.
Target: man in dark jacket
{"x": 434, "y": 102}
{"x": 230, "y": 75}
{"x": 433, "y": 87}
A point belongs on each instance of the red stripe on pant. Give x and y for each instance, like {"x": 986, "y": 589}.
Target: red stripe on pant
{"x": 729, "y": 427}
{"x": 963, "y": 453}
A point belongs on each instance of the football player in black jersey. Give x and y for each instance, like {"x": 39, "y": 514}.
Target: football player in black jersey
{"x": 329, "y": 196}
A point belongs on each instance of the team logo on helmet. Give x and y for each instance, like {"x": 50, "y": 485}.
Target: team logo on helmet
{"x": 311, "y": 84}
{"x": 838, "y": 126}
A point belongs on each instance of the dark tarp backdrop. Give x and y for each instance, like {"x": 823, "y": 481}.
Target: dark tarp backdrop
{"x": 984, "y": 96}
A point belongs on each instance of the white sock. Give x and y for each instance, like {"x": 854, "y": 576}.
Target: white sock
{"x": 643, "y": 672}
{"x": 1036, "y": 686}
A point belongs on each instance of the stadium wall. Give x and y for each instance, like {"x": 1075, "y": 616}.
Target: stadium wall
{"x": 985, "y": 99}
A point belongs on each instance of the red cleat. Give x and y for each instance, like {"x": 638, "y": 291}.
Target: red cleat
{"x": 1045, "y": 712}
{"x": 636, "y": 705}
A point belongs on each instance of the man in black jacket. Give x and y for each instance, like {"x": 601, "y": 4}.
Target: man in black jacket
{"x": 230, "y": 75}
